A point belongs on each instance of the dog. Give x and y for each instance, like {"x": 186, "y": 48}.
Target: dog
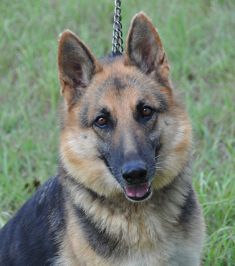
{"x": 123, "y": 194}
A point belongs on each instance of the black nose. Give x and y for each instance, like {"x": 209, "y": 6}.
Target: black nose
{"x": 134, "y": 172}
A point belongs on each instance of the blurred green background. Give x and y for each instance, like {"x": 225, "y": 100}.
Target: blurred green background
{"x": 199, "y": 38}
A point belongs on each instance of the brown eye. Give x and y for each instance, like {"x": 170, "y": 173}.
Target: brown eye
{"x": 146, "y": 111}
{"x": 101, "y": 121}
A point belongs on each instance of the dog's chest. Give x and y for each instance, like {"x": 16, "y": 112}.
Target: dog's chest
{"x": 150, "y": 258}
{"x": 142, "y": 242}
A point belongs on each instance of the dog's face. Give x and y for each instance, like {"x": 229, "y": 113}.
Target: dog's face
{"x": 122, "y": 128}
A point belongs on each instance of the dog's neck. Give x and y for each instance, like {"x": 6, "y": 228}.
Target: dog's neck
{"x": 117, "y": 220}
{"x": 182, "y": 180}
{"x": 84, "y": 198}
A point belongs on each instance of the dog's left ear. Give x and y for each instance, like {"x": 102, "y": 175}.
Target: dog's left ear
{"x": 145, "y": 50}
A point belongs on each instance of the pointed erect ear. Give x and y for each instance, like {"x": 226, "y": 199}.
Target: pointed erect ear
{"x": 76, "y": 65}
{"x": 145, "y": 50}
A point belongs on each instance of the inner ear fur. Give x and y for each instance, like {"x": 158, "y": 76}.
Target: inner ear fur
{"x": 145, "y": 49}
{"x": 76, "y": 65}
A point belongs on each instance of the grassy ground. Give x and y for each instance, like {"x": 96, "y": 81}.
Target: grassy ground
{"x": 199, "y": 39}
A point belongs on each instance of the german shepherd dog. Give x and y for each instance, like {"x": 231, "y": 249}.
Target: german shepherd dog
{"x": 123, "y": 194}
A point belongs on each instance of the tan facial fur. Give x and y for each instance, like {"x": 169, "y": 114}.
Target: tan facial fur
{"x": 79, "y": 146}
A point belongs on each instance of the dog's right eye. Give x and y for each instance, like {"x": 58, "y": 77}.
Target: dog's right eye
{"x": 101, "y": 121}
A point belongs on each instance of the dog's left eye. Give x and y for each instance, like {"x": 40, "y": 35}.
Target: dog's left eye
{"x": 146, "y": 112}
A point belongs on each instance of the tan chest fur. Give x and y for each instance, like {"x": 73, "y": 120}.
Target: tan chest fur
{"x": 151, "y": 235}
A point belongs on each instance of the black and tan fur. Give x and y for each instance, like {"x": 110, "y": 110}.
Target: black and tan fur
{"x": 119, "y": 113}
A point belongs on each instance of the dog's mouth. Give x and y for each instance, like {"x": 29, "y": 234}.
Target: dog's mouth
{"x": 138, "y": 192}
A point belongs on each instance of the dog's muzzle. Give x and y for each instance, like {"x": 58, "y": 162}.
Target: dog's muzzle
{"x": 137, "y": 187}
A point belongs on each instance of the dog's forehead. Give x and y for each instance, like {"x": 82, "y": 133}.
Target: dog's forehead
{"x": 123, "y": 87}
{"x": 117, "y": 79}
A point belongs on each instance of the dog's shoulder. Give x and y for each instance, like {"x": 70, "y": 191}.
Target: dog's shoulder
{"x": 40, "y": 218}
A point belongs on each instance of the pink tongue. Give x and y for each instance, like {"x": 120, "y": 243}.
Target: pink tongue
{"x": 137, "y": 191}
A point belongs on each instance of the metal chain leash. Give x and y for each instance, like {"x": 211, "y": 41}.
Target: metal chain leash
{"x": 117, "y": 41}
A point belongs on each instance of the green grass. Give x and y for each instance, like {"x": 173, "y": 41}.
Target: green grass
{"x": 199, "y": 40}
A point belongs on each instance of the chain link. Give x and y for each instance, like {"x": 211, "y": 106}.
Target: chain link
{"x": 117, "y": 41}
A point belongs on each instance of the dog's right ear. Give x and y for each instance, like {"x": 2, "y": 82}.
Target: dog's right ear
{"x": 76, "y": 66}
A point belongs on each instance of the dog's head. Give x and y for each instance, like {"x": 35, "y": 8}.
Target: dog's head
{"x": 122, "y": 130}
